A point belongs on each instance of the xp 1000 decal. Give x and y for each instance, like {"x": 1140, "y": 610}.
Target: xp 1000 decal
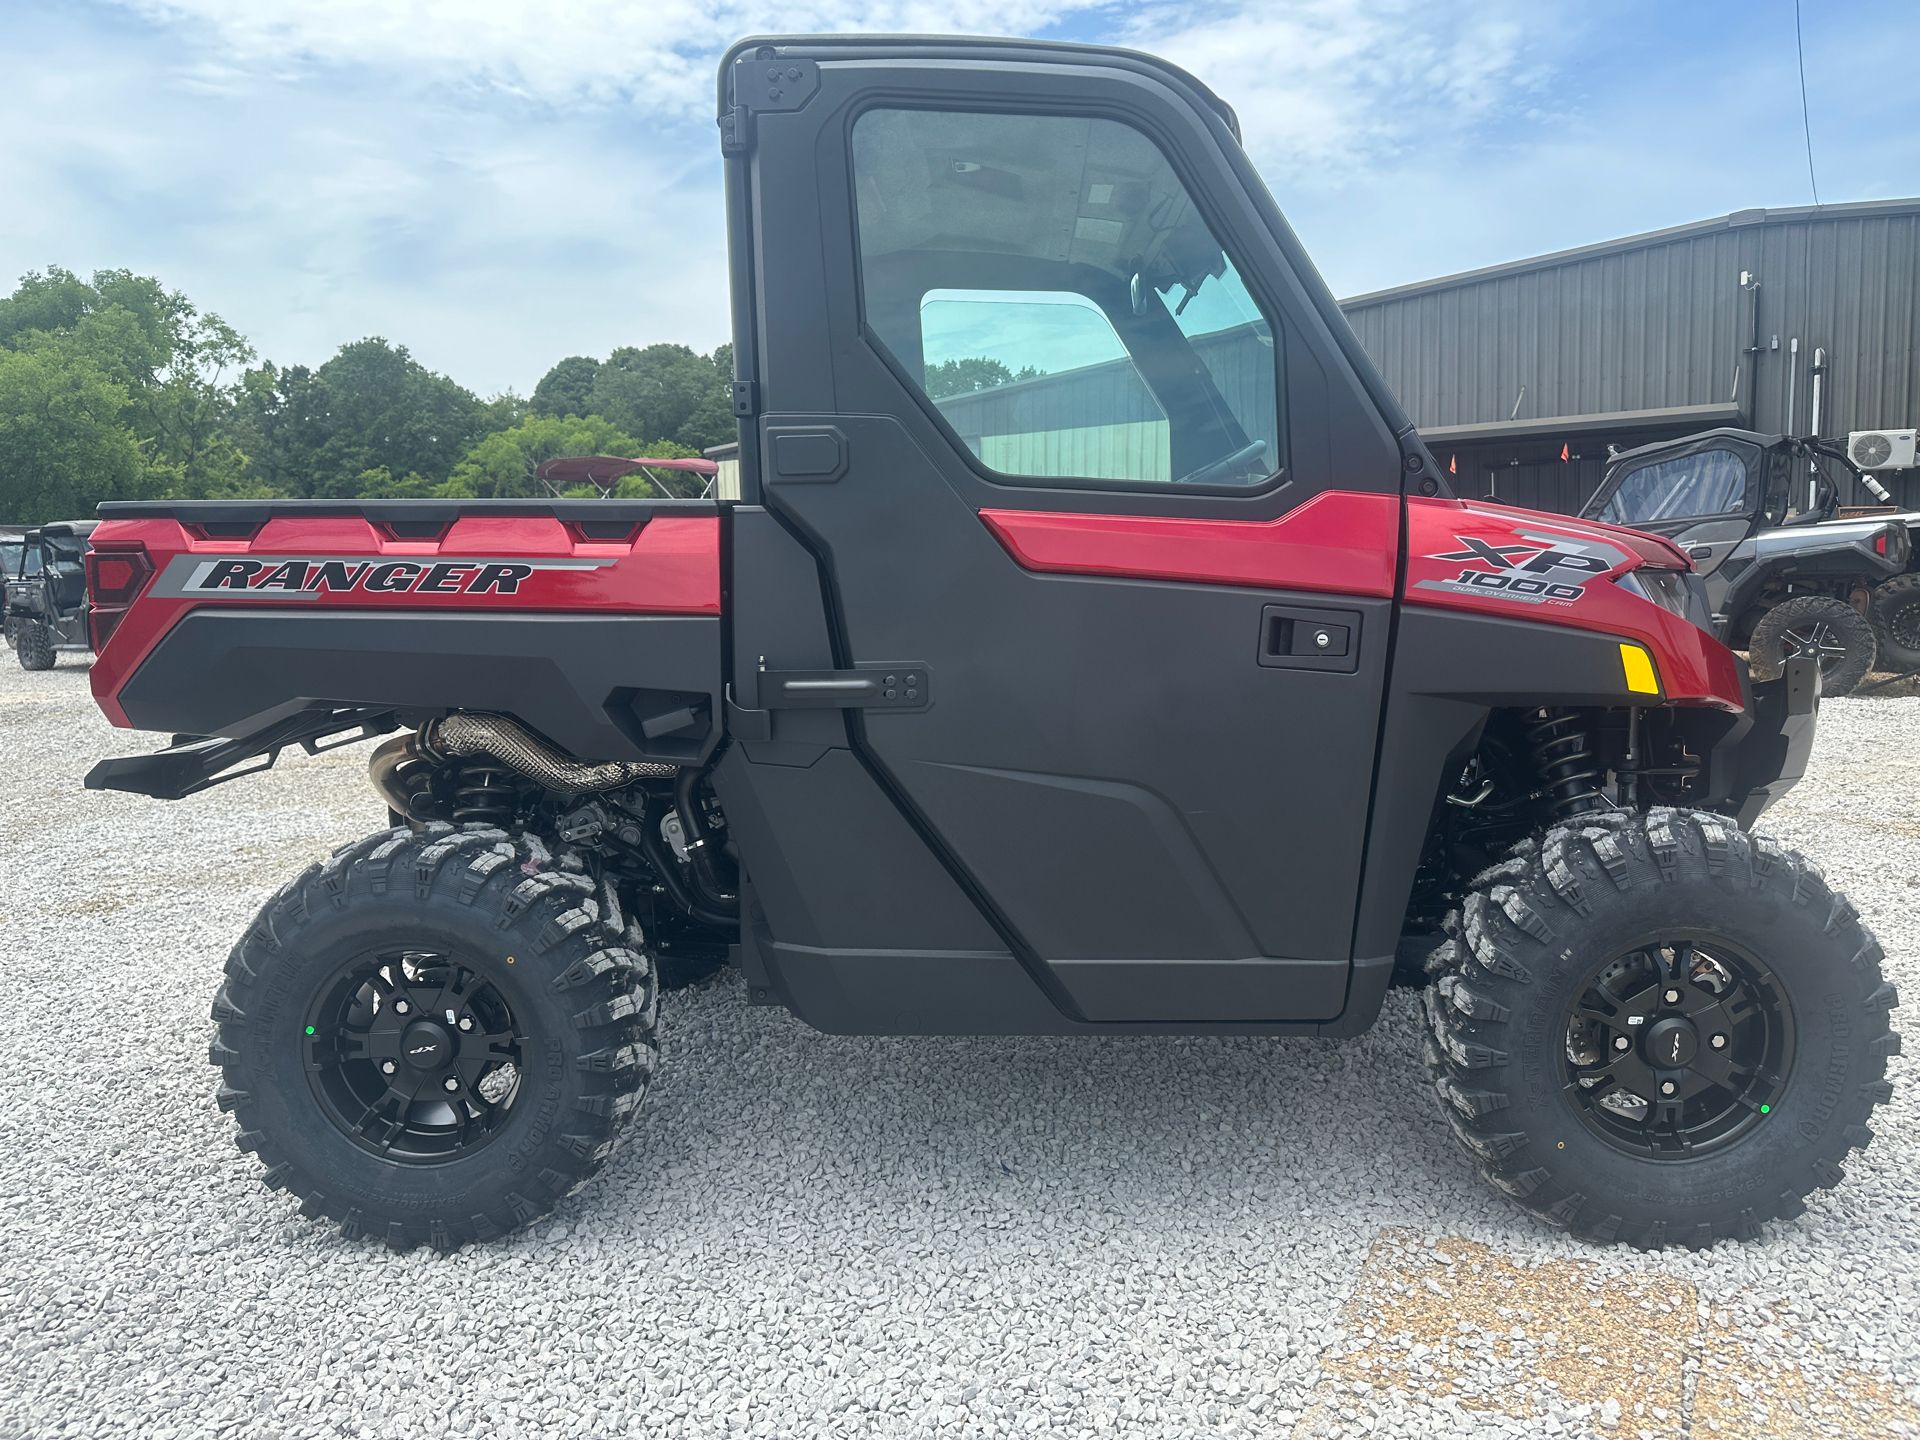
{"x": 1532, "y": 568}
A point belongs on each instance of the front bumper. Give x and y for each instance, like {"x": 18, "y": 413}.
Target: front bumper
{"x": 1764, "y": 755}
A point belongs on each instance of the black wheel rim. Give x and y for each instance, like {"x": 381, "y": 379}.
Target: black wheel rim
{"x": 1678, "y": 1049}
{"x": 414, "y": 1056}
{"x": 1905, "y": 625}
{"x": 1819, "y": 639}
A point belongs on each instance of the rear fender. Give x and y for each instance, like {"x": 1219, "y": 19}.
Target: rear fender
{"x": 1823, "y": 557}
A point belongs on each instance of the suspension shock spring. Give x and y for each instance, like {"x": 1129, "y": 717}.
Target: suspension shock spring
{"x": 1563, "y": 757}
{"x": 485, "y": 794}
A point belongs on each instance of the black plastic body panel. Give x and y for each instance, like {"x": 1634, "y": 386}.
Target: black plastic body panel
{"x": 1450, "y": 670}
{"x": 575, "y": 679}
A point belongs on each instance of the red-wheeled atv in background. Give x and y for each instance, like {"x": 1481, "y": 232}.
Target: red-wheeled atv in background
{"x": 1161, "y": 688}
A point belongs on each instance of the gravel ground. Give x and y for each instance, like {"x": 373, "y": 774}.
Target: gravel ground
{"x": 814, "y": 1236}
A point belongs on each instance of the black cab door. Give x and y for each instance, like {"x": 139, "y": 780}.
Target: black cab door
{"x": 1105, "y": 505}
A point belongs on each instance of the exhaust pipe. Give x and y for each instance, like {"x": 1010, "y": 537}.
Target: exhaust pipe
{"x": 513, "y": 746}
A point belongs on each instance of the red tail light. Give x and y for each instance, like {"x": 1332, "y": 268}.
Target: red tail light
{"x": 1880, "y": 543}
{"x": 116, "y": 574}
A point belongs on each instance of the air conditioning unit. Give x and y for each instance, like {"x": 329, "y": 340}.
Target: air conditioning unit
{"x": 1881, "y": 449}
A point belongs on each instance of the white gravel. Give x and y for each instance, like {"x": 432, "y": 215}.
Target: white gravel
{"x": 813, "y": 1236}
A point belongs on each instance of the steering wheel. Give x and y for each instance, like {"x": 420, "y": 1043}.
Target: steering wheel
{"x": 1226, "y": 465}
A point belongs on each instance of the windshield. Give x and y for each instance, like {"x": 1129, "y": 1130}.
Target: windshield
{"x": 1709, "y": 482}
{"x": 10, "y": 551}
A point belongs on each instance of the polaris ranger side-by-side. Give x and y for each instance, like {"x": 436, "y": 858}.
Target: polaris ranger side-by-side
{"x": 1783, "y": 577}
{"x": 1196, "y": 706}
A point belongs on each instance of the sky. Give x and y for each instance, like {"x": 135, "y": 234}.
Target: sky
{"x": 499, "y": 183}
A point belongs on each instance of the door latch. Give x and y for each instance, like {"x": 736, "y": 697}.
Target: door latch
{"x": 1300, "y": 637}
{"x": 904, "y": 685}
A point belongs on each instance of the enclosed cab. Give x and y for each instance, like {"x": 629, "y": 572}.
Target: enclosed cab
{"x": 1175, "y": 695}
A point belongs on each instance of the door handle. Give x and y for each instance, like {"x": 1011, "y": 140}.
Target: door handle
{"x": 901, "y": 686}
{"x": 1700, "y": 552}
{"x": 1302, "y": 637}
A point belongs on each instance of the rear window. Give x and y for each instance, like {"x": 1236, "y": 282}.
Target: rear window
{"x": 1701, "y": 485}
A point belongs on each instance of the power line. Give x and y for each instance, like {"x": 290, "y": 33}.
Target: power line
{"x": 1806, "y": 122}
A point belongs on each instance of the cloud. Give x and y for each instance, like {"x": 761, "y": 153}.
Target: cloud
{"x": 499, "y": 183}
{"x": 488, "y": 238}
{"x": 657, "y": 56}
{"x": 1330, "y": 89}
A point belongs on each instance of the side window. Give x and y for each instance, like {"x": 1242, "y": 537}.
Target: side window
{"x": 1701, "y": 485}
{"x": 1048, "y": 285}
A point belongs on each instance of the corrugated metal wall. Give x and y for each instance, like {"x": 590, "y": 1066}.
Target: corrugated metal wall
{"x": 1658, "y": 321}
{"x": 1101, "y": 421}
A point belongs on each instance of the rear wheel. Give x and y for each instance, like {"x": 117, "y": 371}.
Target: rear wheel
{"x": 1830, "y": 630}
{"x": 34, "y": 643}
{"x": 1896, "y": 623}
{"x": 1659, "y": 1029}
{"x": 435, "y": 1035}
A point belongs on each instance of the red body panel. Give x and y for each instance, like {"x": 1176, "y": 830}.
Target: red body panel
{"x": 1343, "y": 542}
{"x": 669, "y": 566}
{"x": 1448, "y": 571}
{"x": 1548, "y": 569}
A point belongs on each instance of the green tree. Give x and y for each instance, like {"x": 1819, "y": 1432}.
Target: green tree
{"x": 173, "y": 362}
{"x": 281, "y": 417}
{"x": 384, "y": 409}
{"x": 971, "y": 374}
{"x": 667, "y": 391}
{"x": 63, "y": 444}
{"x": 371, "y": 408}
{"x": 567, "y": 388}
{"x": 504, "y": 411}
{"x": 380, "y": 483}
{"x": 503, "y": 464}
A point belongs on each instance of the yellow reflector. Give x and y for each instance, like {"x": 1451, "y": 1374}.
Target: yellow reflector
{"x": 1639, "y": 667}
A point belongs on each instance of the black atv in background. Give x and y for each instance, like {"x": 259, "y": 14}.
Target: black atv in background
{"x": 13, "y": 549}
{"x": 1782, "y": 580}
{"x": 46, "y": 610}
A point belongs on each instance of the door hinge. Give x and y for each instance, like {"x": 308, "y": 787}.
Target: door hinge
{"x": 900, "y": 686}
{"x": 736, "y": 131}
{"x": 746, "y": 399}
{"x": 762, "y": 82}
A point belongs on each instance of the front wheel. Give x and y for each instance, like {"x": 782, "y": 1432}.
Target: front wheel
{"x": 1657, "y": 1029}
{"x": 436, "y": 1035}
{"x": 1832, "y": 631}
{"x": 34, "y": 644}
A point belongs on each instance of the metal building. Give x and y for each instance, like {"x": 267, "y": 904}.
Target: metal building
{"x": 1101, "y": 419}
{"x": 1521, "y": 375}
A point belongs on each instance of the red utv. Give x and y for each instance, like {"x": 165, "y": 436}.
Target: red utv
{"x": 1093, "y": 649}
